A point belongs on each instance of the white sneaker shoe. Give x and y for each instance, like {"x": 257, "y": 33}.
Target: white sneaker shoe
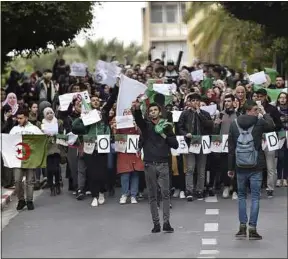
{"x": 133, "y": 200}
{"x": 123, "y": 199}
{"x": 182, "y": 195}
{"x": 234, "y": 196}
{"x": 226, "y": 191}
{"x": 285, "y": 184}
{"x": 278, "y": 183}
{"x": 88, "y": 193}
{"x": 94, "y": 202}
{"x": 101, "y": 199}
{"x": 176, "y": 193}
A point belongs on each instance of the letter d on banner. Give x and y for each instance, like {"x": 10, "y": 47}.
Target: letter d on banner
{"x": 103, "y": 143}
{"x": 272, "y": 141}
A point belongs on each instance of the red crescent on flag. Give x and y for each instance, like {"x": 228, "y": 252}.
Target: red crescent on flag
{"x": 27, "y": 151}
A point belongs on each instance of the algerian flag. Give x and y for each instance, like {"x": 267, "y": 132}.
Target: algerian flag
{"x": 24, "y": 151}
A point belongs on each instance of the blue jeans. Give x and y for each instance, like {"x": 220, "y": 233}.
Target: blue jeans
{"x": 130, "y": 180}
{"x": 255, "y": 179}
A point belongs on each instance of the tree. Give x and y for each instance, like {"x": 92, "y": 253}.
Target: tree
{"x": 88, "y": 54}
{"x": 227, "y": 38}
{"x": 27, "y": 27}
{"x": 273, "y": 15}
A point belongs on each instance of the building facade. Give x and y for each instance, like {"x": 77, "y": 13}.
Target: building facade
{"x": 163, "y": 28}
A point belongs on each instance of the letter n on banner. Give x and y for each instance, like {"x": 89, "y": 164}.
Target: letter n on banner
{"x": 132, "y": 143}
{"x": 103, "y": 143}
{"x": 272, "y": 141}
{"x": 206, "y": 145}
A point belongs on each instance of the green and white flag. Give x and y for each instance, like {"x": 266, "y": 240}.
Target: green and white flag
{"x": 24, "y": 151}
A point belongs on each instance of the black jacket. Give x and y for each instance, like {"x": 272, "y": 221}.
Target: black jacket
{"x": 275, "y": 115}
{"x": 263, "y": 125}
{"x": 186, "y": 124}
{"x": 155, "y": 147}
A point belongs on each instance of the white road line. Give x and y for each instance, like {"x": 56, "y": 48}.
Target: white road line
{"x": 211, "y": 227}
{"x": 211, "y": 199}
{"x": 212, "y": 212}
{"x": 209, "y": 252}
{"x": 206, "y": 257}
{"x": 209, "y": 241}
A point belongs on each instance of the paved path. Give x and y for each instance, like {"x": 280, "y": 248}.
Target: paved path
{"x": 64, "y": 227}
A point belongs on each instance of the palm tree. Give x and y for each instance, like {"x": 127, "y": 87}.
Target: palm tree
{"x": 222, "y": 37}
{"x": 88, "y": 54}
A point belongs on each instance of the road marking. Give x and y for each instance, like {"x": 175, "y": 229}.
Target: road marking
{"x": 211, "y": 227}
{"x": 211, "y": 199}
{"x": 206, "y": 257}
{"x": 209, "y": 252}
{"x": 212, "y": 211}
{"x": 209, "y": 241}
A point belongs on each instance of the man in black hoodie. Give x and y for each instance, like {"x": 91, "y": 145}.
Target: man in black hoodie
{"x": 255, "y": 115}
{"x": 157, "y": 140}
{"x": 195, "y": 122}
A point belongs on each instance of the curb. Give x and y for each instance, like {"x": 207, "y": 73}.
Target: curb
{"x": 6, "y": 196}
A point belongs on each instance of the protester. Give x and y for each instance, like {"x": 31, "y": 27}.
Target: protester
{"x": 246, "y": 134}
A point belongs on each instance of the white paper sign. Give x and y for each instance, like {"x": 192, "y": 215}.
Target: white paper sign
{"x": 50, "y": 129}
{"x": 197, "y": 75}
{"x": 78, "y": 69}
{"x": 176, "y": 115}
{"x": 165, "y": 89}
{"x": 89, "y": 147}
{"x": 225, "y": 144}
{"x": 216, "y": 147}
{"x": 120, "y": 146}
{"x": 123, "y": 122}
{"x": 272, "y": 141}
{"x": 211, "y": 109}
{"x": 129, "y": 90}
{"x": 106, "y": 73}
{"x": 66, "y": 99}
{"x": 182, "y": 148}
{"x": 103, "y": 143}
{"x": 195, "y": 148}
{"x": 206, "y": 144}
{"x": 132, "y": 143}
{"x": 91, "y": 117}
{"x": 258, "y": 78}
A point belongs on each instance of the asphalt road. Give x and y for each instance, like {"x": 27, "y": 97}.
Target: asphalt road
{"x": 63, "y": 227}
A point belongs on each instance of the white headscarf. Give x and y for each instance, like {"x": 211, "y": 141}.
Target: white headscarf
{"x": 14, "y": 106}
{"x": 45, "y": 121}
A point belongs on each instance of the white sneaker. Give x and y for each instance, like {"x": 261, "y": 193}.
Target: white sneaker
{"x": 234, "y": 196}
{"x": 285, "y": 184}
{"x": 278, "y": 183}
{"x": 133, "y": 200}
{"x": 94, "y": 202}
{"x": 176, "y": 193}
{"x": 226, "y": 191}
{"x": 123, "y": 199}
{"x": 88, "y": 193}
{"x": 101, "y": 199}
{"x": 182, "y": 195}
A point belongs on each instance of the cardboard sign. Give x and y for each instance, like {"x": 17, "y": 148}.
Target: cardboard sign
{"x": 206, "y": 144}
{"x": 132, "y": 143}
{"x": 272, "y": 141}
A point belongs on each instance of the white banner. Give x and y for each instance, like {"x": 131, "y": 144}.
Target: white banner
{"x": 103, "y": 143}
{"x": 132, "y": 143}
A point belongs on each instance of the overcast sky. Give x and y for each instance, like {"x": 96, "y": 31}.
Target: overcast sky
{"x": 117, "y": 19}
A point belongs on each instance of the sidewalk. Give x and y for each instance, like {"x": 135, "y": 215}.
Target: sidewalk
{"x": 6, "y": 196}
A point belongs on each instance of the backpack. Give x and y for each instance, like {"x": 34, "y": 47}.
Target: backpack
{"x": 246, "y": 154}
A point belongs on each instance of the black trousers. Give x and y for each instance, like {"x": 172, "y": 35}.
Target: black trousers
{"x": 97, "y": 170}
{"x": 53, "y": 169}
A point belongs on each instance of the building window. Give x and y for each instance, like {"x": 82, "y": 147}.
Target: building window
{"x": 171, "y": 13}
{"x": 156, "y": 14}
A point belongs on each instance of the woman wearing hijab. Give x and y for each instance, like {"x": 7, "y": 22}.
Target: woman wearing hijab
{"x": 11, "y": 100}
{"x": 51, "y": 126}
